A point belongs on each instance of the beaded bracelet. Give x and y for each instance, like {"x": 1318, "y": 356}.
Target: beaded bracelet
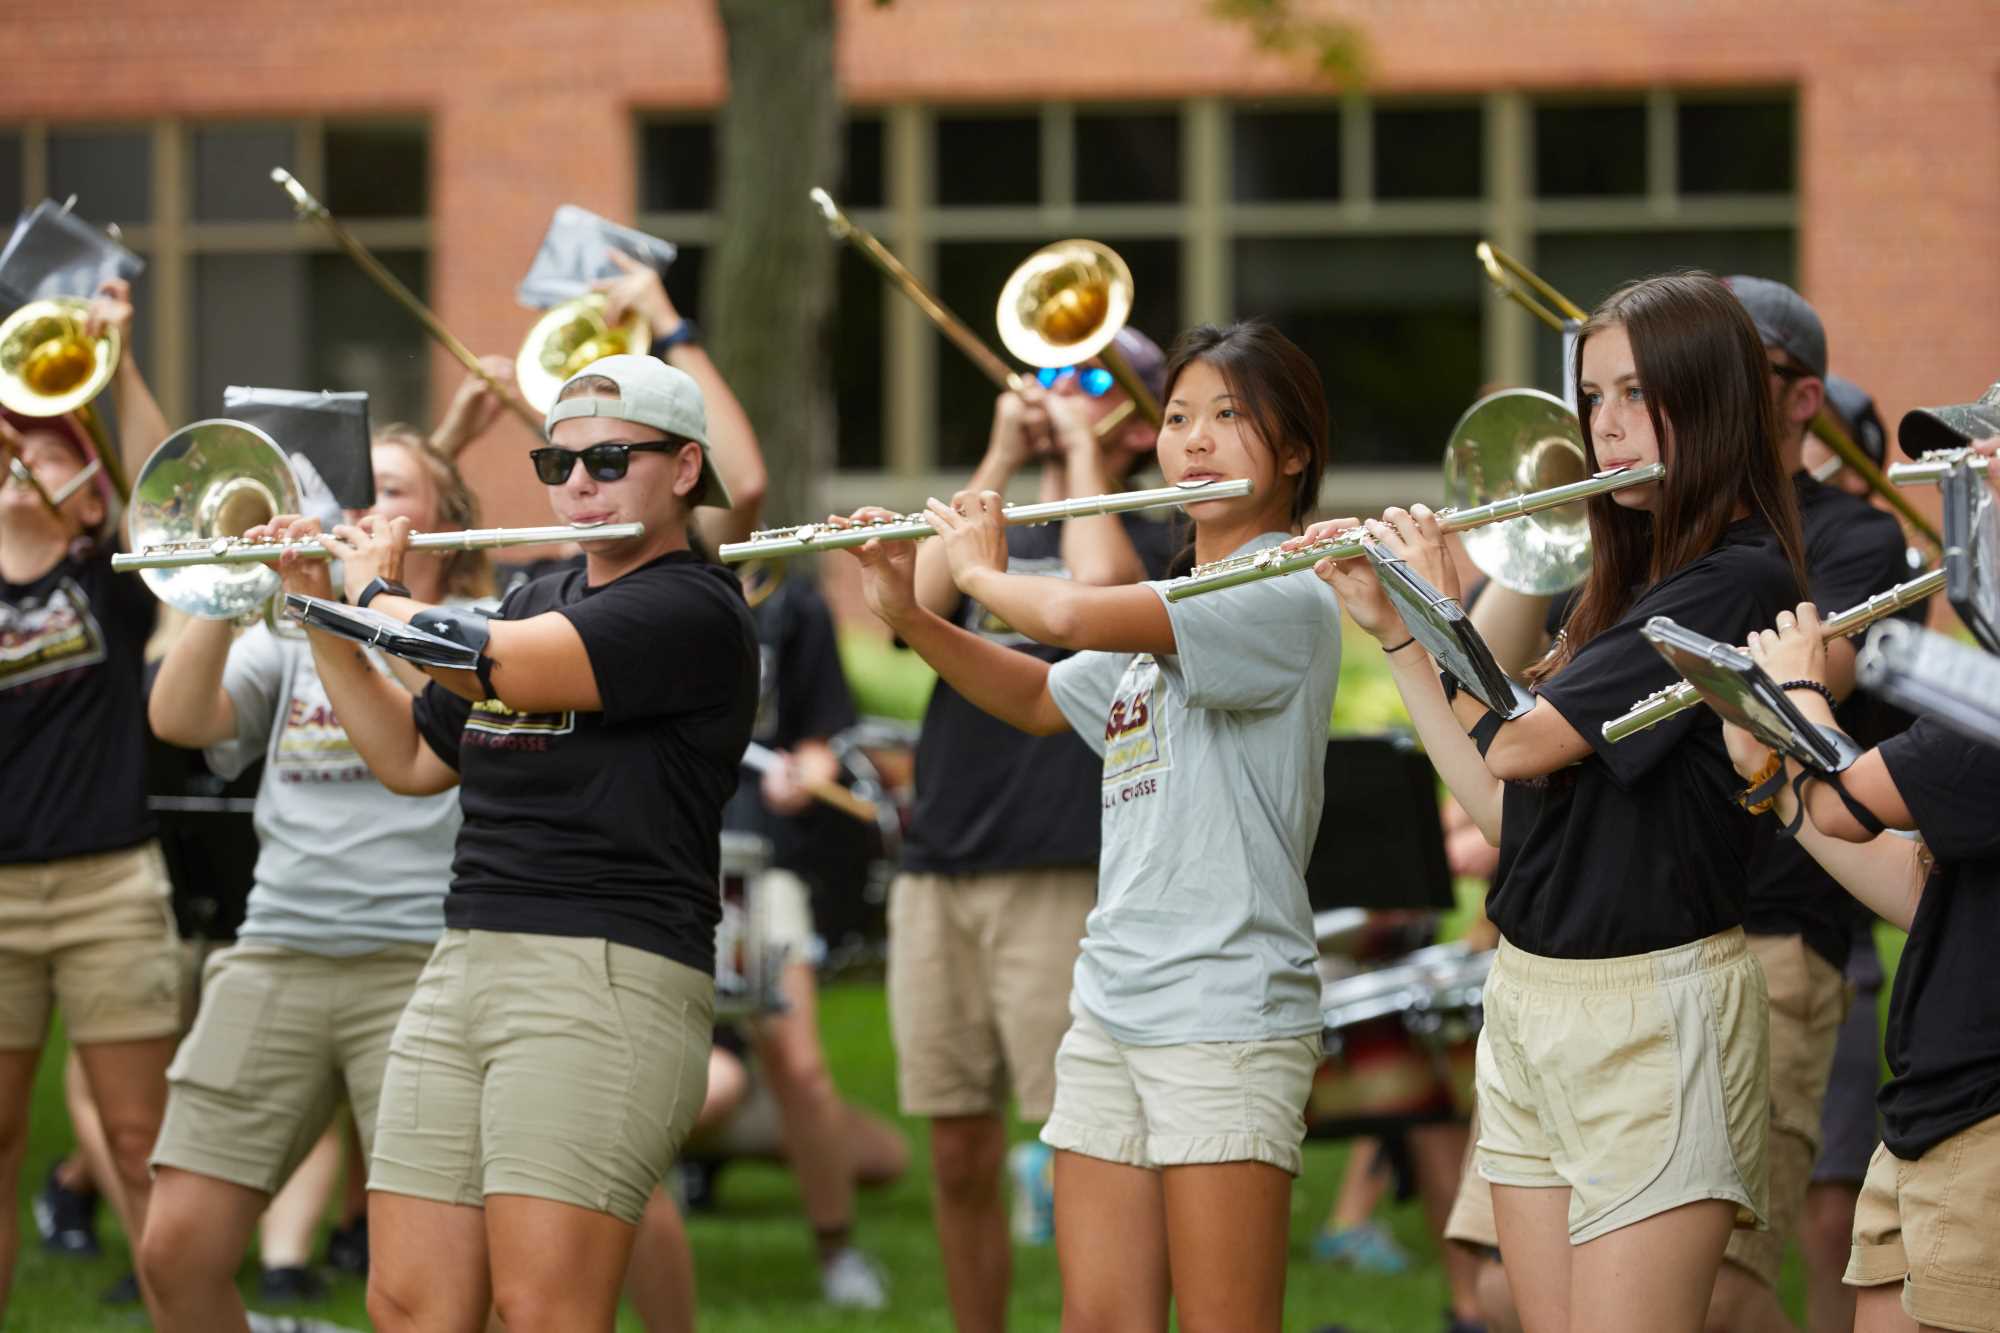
{"x": 1813, "y": 685}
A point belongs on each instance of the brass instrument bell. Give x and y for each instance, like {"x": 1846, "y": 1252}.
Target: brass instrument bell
{"x": 211, "y": 481}
{"x": 1065, "y": 303}
{"x": 569, "y": 337}
{"x": 1512, "y": 443}
{"x": 48, "y": 365}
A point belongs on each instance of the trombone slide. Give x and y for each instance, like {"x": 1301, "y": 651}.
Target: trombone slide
{"x": 809, "y": 537}
{"x": 1275, "y": 560}
{"x": 235, "y": 551}
{"x": 1677, "y": 698}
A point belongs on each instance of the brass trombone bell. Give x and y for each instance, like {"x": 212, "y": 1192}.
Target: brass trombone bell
{"x": 211, "y": 481}
{"x": 48, "y": 365}
{"x": 1065, "y": 303}
{"x": 567, "y": 338}
{"x": 1517, "y": 442}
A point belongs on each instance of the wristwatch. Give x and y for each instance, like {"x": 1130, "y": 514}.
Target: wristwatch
{"x": 686, "y": 332}
{"x": 376, "y": 587}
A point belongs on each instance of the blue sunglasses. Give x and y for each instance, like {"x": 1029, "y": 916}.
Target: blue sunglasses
{"x": 1095, "y": 381}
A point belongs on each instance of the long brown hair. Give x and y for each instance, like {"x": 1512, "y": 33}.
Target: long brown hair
{"x": 1703, "y": 370}
{"x": 1277, "y": 386}
{"x": 466, "y": 573}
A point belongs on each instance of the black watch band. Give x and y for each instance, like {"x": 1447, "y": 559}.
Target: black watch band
{"x": 376, "y": 587}
{"x": 687, "y": 332}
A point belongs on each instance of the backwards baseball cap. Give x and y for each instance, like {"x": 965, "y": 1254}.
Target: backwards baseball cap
{"x": 1851, "y": 403}
{"x": 650, "y": 393}
{"x": 1783, "y": 320}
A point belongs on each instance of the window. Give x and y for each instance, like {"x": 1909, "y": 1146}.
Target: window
{"x": 1737, "y": 147}
{"x": 988, "y": 160}
{"x": 1281, "y": 156}
{"x": 1429, "y": 153}
{"x": 1128, "y": 159}
{"x": 1589, "y": 149}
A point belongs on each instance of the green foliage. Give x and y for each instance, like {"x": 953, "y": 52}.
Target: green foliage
{"x": 1337, "y": 51}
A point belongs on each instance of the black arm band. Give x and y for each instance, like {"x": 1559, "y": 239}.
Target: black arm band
{"x": 1813, "y": 685}
{"x": 1797, "y": 821}
{"x": 1862, "y": 814}
{"x": 1485, "y": 729}
{"x": 462, "y": 625}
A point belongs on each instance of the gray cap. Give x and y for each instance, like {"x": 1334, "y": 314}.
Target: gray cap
{"x": 1783, "y": 320}
{"x": 650, "y": 393}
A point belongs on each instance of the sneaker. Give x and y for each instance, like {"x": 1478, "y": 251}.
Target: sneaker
{"x": 1031, "y": 1166}
{"x": 125, "y": 1291}
{"x": 852, "y": 1281}
{"x": 67, "y": 1219}
{"x": 284, "y": 1323}
{"x": 347, "y": 1248}
{"x": 1368, "y": 1248}
{"x": 294, "y": 1282}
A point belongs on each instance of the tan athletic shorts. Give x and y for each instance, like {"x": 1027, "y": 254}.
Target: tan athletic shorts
{"x": 1640, "y": 1083}
{"x": 94, "y": 934}
{"x": 1808, "y": 1004}
{"x": 543, "y": 1065}
{"x": 1934, "y": 1225}
{"x": 979, "y": 979}
{"x": 1471, "y": 1218}
{"x": 282, "y": 1038}
{"x": 1192, "y": 1105}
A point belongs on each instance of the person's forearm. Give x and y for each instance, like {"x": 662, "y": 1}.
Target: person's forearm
{"x": 187, "y": 706}
{"x": 1884, "y": 873}
{"x": 1012, "y": 686}
{"x": 1096, "y": 547}
{"x": 935, "y": 590}
{"x": 1047, "y": 610}
{"x": 1452, "y": 753}
{"x": 733, "y": 449}
{"x": 374, "y": 710}
{"x": 141, "y": 424}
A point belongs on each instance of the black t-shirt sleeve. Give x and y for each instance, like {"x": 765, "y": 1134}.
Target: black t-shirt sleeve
{"x": 813, "y": 699}
{"x": 1867, "y": 555}
{"x": 440, "y": 716}
{"x": 1952, "y": 786}
{"x": 664, "y": 640}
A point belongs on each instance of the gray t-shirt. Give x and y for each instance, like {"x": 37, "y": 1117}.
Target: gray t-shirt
{"x": 344, "y": 865}
{"x": 1212, "y": 784}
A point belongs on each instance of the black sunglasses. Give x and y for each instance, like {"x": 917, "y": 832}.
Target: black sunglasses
{"x": 603, "y": 462}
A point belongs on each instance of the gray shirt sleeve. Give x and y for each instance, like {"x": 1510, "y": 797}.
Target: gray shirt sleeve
{"x": 1247, "y": 647}
{"x": 254, "y": 679}
{"x": 1082, "y": 686}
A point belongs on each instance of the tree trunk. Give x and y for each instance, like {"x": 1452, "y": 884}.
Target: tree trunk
{"x": 770, "y": 287}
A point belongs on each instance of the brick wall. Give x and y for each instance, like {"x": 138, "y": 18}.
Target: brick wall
{"x": 530, "y": 103}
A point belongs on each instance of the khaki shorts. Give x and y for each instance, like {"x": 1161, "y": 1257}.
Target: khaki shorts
{"x": 1471, "y": 1219}
{"x": 780, "y": 923}
{"x": 1934, "y": 1226}
{"x": 94, "y": 934}
{"x": 282, "y": 1038}
{"x": 1192, "y": 1105}
{"x": 979, "y": 979}
{"x": 1808, "y": 1004}
{"x": 1639, "y": 1083}
{"x": 543, "y": 1065}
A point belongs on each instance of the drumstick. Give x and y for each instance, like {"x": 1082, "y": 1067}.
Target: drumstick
{"x": 762, "y": 759}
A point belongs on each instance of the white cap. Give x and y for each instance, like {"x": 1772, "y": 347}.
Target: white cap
{"x": 650, "y": 393}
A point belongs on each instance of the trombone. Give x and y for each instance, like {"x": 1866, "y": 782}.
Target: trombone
{"x": 1523, "y": 286}
{"x": 1677, "y": 698}
{"x": 51, "y": 366}
{"x": 1931, "y": 466}
{"x": 1062, "y": 306}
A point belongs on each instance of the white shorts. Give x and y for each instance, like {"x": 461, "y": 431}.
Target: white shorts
{"x": 1196, "y": 1104}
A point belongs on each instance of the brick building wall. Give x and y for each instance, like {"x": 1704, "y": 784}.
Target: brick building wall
{"x": 531, "y": 102}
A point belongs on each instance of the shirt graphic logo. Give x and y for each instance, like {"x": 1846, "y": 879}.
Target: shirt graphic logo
{"x": 41, "y": 641}
{"x": 492, "y": 725}
{"x": 1135, "y": 742}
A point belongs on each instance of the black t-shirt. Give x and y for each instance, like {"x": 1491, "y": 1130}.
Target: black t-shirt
{"x": 801, "y": 695}
{"x": 1943, "y": 1039}
{"x": 1853, "y": 551}
{"x": 608, "y": 824}
{"x": 73, "y": 712}
{"x": 1640, "y": 846}
{"x": 990, "y": 797}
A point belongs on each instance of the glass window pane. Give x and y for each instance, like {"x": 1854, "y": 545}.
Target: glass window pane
{"x": 861, "y": 179}
{"x": 1429, "y": 153}
{"x": 377, "y": 171}
{"x": 11, "y": 202}
{"x": 854, "y": 338}
{"x": 109, "y": 171}
{"x": 989, "y": 160}
{"x": 677, "y": 166}
{"x": 1590, "y": 149}
{"x": 1587, "y": 268}
{"x": 1128, "y": 159}
{"x": 1737, "y": 147}
{"x": 362, "y": 339}
{"x": 685, "y": 280}
{"x": 1280, "y": 156}
{"x": 252, "y": 325}
{"x": 1392, "y": 323}
{"x": 232, "y": 172}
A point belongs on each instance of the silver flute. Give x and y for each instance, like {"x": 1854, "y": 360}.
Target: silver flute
{"x": 1275, "y": 560}
{"x": 808, "y": 537}
{"x": 1660, "y": 705}
{"x": 236, "y": 551}
{"x": 1930, "y": 468}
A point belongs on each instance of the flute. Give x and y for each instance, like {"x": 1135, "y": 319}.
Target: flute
{"x": 1931, "y": 467}
{"x": 1677, "y": 698}
{"x": 1275, "y": 560}
{"x": 807, "y": 537}
{"x": 236, "y": 551}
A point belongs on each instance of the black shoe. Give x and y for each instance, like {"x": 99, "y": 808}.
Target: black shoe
{"x": 125, "y": 1291}
{"x": 67, "y": 1219}
{"x": 347, "y": 1248}
{"x": 296, "y": 1283}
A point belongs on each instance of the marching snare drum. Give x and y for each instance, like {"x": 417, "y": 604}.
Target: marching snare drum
{"x": 1396, "y": 1039}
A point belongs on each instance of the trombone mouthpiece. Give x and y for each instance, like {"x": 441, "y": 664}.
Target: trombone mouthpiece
{"x": 829, "y": 210}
